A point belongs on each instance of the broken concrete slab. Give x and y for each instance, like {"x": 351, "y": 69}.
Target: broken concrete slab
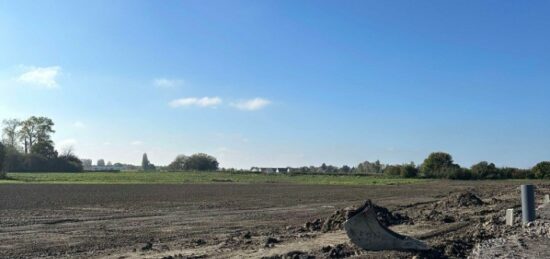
{"x": 365, "y": 231}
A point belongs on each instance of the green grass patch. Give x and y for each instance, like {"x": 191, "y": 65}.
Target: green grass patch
{"x": 200, "y": 177}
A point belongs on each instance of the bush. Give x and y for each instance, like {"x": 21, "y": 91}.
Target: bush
{"x": 515, "y": 173}
{"x": 485, "y": 170}
{"x": 408, "y": 171}
{"x": 198, "y": 162}
{"x": 392, "y": 170}
{"x": 542, "y": 170}
{"x": 2, "y": 157}
{"x": 13, "y": 160}
{"x": 458, "y": 173}
{"x": 36, "y": 163}
{"x": 68, "y": 163}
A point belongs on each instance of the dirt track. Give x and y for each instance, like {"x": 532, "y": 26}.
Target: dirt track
{"x": 200, "y": 220}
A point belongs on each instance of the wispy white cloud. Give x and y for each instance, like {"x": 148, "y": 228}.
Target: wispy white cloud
{"x": 167, "y": 83}
{"x": 45, "y": 77}
{"x": 200, "y": 102}
{"x": 252, "y": 104}
{"x": 106, "y": 143}
{"x": 79, "y": 124}
{"x": 136, "y": 142}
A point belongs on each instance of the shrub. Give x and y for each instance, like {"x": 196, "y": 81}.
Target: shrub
{"x": 68, "y": 163}
{"x": 392, "y": 170}
{"x": 408, "y": 171}
{"x": 458, "y": 173}
{"x": 485, "y": 170}
{"x": 542, "y": 170}
{"x": 198, "y": 162}
{"x": 2, "y": 157}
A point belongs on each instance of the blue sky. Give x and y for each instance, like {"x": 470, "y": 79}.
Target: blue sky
{"x": 277, "y": 83}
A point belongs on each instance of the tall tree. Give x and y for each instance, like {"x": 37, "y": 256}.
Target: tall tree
{"x": 145, "y": 164}
{"x": 437, "y": 164}
{"x": 27, "y": 133}
{"x": 542, "y": 170}
{"x": 44, "y": 128}
{"x": 9, "y": 132}
{"x": 100, "y": 162}
{"x": 35, "y": 129}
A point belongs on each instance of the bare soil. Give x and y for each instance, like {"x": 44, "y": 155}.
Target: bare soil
{"x": 242, "y": 220}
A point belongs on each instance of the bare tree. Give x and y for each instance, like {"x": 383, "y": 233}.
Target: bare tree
{"x": 27, "y": 133}
{"x": 67, "y": 151}
{"x": 10, "y": 131}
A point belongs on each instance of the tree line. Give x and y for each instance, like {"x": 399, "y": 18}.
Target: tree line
{"x": 441, "y": 165}
{"x": 436, "y": 165}
{"x": 27, "y": 147}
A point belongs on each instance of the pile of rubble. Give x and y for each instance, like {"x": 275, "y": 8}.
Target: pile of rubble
{"x": 336, "y": 220}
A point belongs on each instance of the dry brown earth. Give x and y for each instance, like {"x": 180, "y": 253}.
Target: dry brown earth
{"x": 232, "y": 220}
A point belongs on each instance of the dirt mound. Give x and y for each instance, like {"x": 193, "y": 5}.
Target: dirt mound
{"x": 462, "y": 199}
{"x": 468, "y": 199}
{"x": 336, "y": 220}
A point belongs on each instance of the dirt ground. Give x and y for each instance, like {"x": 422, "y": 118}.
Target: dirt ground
{"x": 242, "y": 220}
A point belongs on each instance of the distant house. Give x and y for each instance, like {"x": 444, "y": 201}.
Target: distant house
{"x": 271, "y": 170}
{"x": 283, "y": 170}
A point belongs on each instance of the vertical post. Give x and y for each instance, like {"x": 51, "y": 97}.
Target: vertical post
{"x": 546, "y": 198}
{"x": 527, "y": 203}
{"x": 510, "y": 217}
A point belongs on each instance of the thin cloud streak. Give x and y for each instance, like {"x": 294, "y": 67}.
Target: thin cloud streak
{"x": 167, "y": 83}
{"x": 252, "y": 104}
{"x": 193, "y": 101}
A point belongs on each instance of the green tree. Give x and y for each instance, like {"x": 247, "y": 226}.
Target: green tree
{"x": 101, "y": 162}
{"x": 2, "y": 158}
{"x": 35, "y": 129}
{"x": 485, "y": 170}
{"x": 392, "y": 170}
{"x": 10, "y": 132}
{"x": 145, "y": 164}
{"x": 201, "y": 162}
{"x": 345, "y": 169}
{"x": 44, "y": 128}
{"x": 178, "y": 164}
{"x": 438, "y": 164}
{"x": 68, "y": 163}
{"x": 370, "y": 168}
{"x": 323, "y": 167}
{"x": 27, "y": 134}
{"x": 13, "y": 160}
{"x": 542, "y": 170}
{"x": 408, "y": 171}
{"x": 45, "y": 149}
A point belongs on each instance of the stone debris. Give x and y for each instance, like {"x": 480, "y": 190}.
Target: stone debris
{"x": 339, "y": 251}
{"x": 271, "y": 241}
{"x": 291, "y": 255}
{"x": 148, "y": 246}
